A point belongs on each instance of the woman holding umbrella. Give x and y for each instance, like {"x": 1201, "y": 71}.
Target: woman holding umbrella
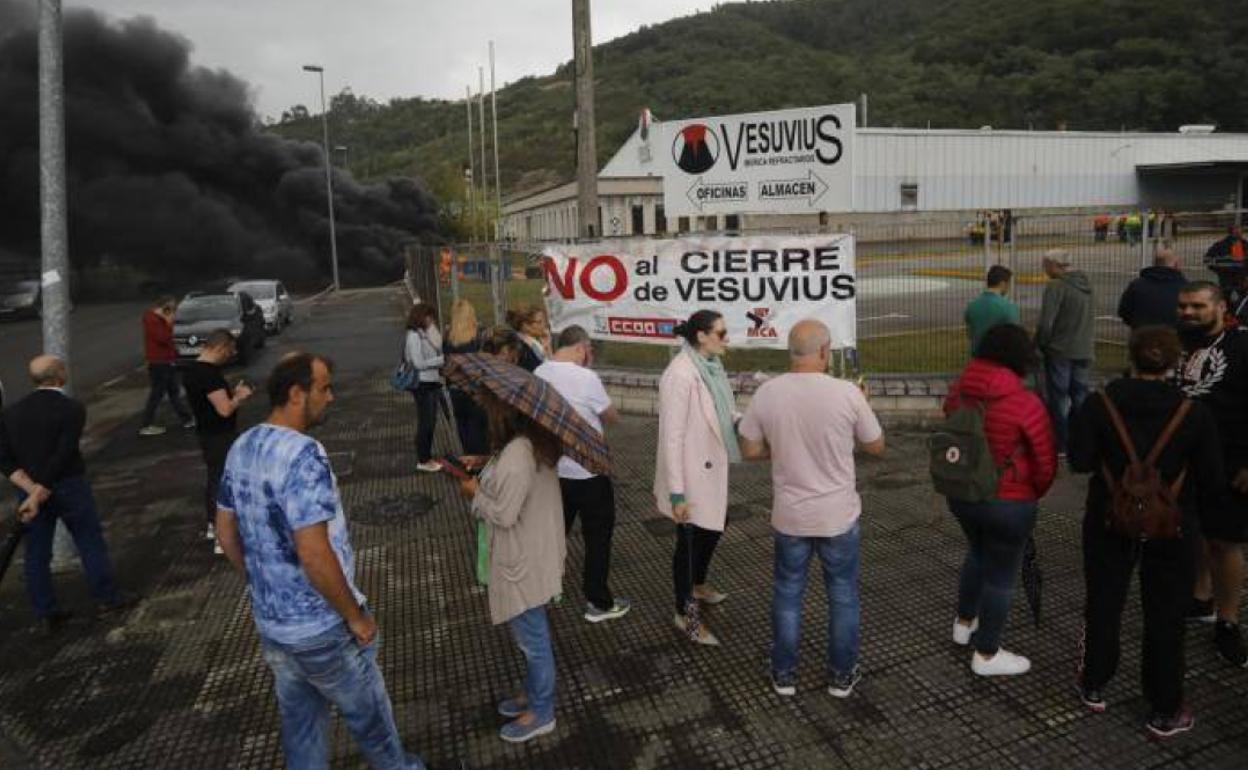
{"x": 697, "y": 441}
{"x": 518, "y": 498}
{"x": 1020, "y": 438}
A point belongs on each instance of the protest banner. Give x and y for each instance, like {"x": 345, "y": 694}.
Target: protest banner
{"x": 638, "y": 290}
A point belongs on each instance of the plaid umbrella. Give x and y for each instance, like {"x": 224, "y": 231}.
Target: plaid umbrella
{"x": 1033, "y": 579}
{"x": 534, "y": 397}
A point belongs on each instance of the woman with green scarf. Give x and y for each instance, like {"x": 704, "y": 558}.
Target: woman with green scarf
{"x": 697, "y": 442}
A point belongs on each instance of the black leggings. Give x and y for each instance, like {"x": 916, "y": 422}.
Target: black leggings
{"x": 684, "y": 575}
{"x": 426, "y": 395}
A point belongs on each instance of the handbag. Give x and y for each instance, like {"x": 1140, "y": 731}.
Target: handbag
{"x": 405, "y": 376}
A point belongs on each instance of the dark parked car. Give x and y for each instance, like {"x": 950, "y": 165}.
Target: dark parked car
{"x": 201, "y": 314}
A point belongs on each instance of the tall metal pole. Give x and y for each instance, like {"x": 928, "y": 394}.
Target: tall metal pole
{"x": 472, "y": 166}
{"x": 498, "y": 182}
{"x": 53, "y": 228}
{"x": 485, "y": 174}
{"x": 329, "y": 176}
{"x": 586, "y": 153}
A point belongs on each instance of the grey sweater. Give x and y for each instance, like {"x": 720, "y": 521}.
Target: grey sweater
{"x": 1066, "y": 325}
{"x": 523, "y": 507}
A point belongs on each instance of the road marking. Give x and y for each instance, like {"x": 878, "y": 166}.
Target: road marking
{"x": 884, "y": 317}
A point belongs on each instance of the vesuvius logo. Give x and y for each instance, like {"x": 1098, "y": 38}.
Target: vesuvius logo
{"x": 695, "y": 149}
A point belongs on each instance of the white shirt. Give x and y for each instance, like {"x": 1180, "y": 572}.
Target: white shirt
{"x": 583, "y": 389}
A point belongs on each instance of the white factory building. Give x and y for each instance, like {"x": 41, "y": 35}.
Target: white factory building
{"x": 903, "y": 173}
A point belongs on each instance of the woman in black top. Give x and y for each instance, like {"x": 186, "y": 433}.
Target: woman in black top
{"x": 1146, "y": 401}
{"x": 465, "y": 336}
{"x": 215, "y": 406}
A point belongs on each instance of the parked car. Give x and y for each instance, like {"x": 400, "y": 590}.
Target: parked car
{"x": 21, "y": 298}
{"x": 201, "y": 314}
{"x": 274, "y": 301}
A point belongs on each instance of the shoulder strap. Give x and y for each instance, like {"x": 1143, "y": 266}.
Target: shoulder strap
{"x": 1120, "y": 428}
{"x": 1168, "y": 433}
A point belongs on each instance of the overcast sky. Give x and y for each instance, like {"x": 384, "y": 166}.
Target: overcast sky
{"x": 384, "y": 48}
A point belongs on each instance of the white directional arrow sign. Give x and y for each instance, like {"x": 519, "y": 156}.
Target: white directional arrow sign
{"x": 811, "y": 188}
{"x": 701, "y": 193}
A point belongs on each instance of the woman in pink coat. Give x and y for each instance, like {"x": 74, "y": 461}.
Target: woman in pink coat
{"x": 697, "y": 441}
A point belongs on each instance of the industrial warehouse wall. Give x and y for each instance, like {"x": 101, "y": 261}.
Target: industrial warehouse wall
{"x": 913, "y": 281}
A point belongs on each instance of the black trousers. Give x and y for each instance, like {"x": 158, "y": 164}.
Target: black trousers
{"x": 593, "y": 500}
{"x": 1166, "y": 575}
{"x": 164, "y": 382}
{"x": 694, "y": 548}
{"x": 427, "y": 396}
{"x": 216, "y": 447}
{"x": 470, "y": 423}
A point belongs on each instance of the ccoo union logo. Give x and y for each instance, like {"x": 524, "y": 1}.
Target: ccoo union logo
{"x": 695, "y": 149}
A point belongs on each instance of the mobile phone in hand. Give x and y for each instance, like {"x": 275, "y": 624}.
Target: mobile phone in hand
{"x": 453, "y": 466}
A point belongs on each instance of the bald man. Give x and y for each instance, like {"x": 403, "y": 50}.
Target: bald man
{"x": 1153, "y": 298}
{"x": 808, "y": 424}
{"x": 39, "y": 453}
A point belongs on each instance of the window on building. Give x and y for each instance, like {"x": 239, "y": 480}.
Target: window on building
{"x": 732, "y": 222}
{"x": 682, "y": 224}
{"x": 596, "y": 230}
{"x": 660, "y": 220}
{"x": 909, "y": 196}
{"x": 639, "y": 220}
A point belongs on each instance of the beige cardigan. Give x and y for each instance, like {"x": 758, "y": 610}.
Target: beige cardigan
{"x": 523, "y": 508}
{"x": 691, "y": 457}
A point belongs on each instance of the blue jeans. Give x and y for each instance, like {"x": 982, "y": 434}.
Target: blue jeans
{"x": 73, "y": 503}
{"x": 333, "y": 668}
{"x": 1067, "y": 382}
{"x": 531, "y": 630}
{"x": 996, "y": 532}
{"x": 839, "y": 559}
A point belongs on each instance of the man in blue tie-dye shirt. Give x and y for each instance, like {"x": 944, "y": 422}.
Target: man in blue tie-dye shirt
{"x": 280, "y": 521}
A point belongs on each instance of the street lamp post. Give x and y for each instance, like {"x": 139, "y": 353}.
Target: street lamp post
{"x": 329, "y": 177}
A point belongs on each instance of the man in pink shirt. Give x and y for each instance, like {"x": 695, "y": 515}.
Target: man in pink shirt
{"x": 807, "y": 423}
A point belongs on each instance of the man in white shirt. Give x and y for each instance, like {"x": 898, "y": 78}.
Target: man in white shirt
{"x": 584, "y": 494}
{"x": 807, "y": 423}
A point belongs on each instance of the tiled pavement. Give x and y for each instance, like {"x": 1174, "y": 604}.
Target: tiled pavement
{"x": 179, "y": 682}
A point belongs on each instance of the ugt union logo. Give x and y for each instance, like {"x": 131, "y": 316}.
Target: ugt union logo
{"x": 695, "y": 149}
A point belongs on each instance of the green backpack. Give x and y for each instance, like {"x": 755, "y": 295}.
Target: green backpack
{"x": 959, "y": 457}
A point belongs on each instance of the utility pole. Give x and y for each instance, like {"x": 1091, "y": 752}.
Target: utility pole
{"x": 52, "y": 203}
{"x": 53, "y": 231}
{"x": 485, "y": 174}
{"x": 586, "y": 153}
{"x": 498, "y": 182}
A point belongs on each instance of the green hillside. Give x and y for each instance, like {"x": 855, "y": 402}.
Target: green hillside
{"x": 1082, "y": 64}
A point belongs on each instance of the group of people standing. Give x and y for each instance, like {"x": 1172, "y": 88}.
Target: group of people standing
{"x": 1168, "y": 442}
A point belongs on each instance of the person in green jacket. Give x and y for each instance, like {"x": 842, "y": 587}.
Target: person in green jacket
{"x": 1064, "y": 335}
{"x": 990, "y": 308}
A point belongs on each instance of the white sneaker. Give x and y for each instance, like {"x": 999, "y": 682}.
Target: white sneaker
{"x": 217, "y": 549}
{"x": 1002, "y": 664}
{"x": 962, "y": 634}
{"x": 433, "y": 466}
{"x": 211, "y": 534}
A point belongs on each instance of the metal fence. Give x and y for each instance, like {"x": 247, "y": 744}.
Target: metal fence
{"x": 914, "y": 280}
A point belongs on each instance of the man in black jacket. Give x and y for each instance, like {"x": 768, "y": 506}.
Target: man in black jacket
{"x": 39, "y": 453}
{"x": 1214, "y": 371}
{"x": 1153, "y": 298}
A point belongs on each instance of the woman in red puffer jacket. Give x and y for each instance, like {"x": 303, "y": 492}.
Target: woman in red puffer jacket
{"x": 1020, "y": 436}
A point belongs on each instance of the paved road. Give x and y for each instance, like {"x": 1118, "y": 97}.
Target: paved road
{"x": 107, "y": 343}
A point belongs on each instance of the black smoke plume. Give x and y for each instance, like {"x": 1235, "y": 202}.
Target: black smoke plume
{"x": 170, "y": 172}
